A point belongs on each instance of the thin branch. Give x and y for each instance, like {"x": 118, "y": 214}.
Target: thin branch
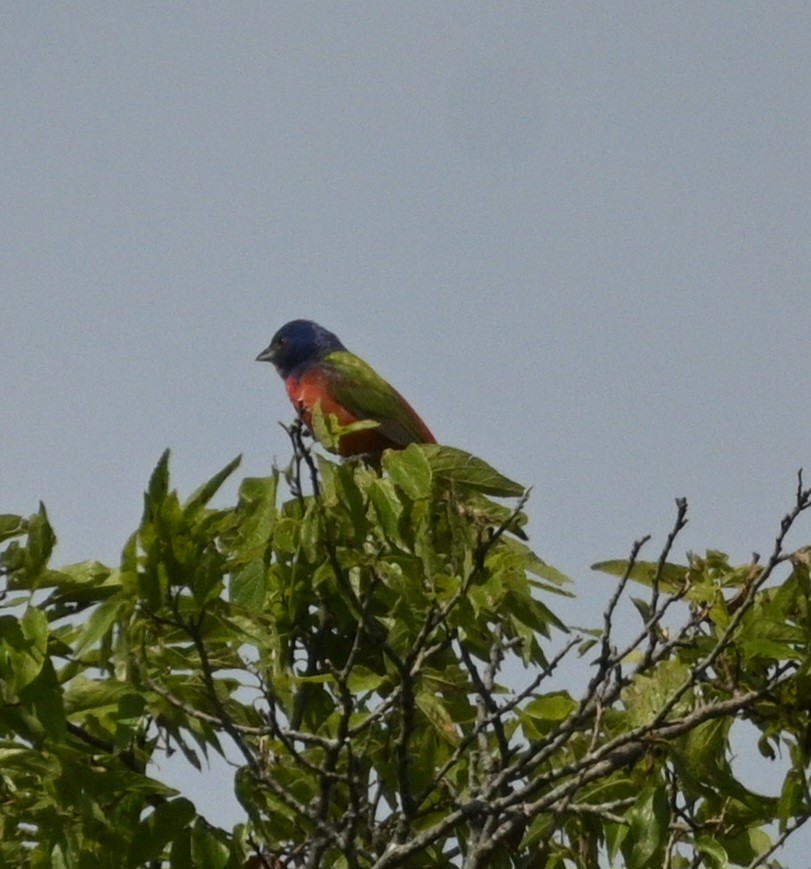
{"x": 802, "y": 503}
{"x": 489, "y": 707}
{"x": 606, "y": 658}
{"x": 403, "y": 754}
{"x": 681, "y": 521}
{"x": 761, "y": 859}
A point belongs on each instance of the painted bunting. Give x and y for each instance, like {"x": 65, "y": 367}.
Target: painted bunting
{"x": 317, "y": 368}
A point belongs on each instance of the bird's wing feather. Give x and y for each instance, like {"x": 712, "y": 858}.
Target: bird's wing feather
{"x": 366, "y": 395}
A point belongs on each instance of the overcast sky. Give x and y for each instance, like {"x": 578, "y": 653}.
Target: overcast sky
{"x": 576, "y": 236}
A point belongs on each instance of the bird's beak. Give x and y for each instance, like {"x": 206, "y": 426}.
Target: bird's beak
{"x": 266, "y": 355}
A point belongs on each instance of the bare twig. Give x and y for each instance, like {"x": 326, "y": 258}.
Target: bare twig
{"x": 606, "y": 658}
{"x": 681, "y": 521}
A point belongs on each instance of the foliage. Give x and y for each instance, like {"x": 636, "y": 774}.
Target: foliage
{"x": 380, "y": 656}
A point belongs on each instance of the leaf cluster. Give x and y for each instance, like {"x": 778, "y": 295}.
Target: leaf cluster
{"x": 376, "y": 655}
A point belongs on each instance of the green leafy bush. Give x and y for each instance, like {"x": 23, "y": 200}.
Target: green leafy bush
{"x": 348, "y": 645}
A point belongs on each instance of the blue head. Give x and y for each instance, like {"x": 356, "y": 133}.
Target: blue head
{"x": 297, "y": 343}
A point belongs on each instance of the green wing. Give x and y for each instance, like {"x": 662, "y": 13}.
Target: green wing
{"x": 366, "y": 395}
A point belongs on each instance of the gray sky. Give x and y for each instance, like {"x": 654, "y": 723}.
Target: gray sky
{"x": 576, "y": 236}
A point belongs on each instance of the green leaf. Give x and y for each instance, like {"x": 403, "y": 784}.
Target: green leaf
{"x": 328, "y": 431}
{"x": 34, "y": 624}
{"x": 614, "y": 836}
{"x": 164, "y": 825}
{"x": 434, "y": 710}
{"x": 84, "y": 694}
{"x": 362, "y": 679}
{"x": 647, "y": 694}
{"x": 247, "y": 586}
{"x": 644, "y": 609}
{"x": 25, "y": 644}
{"x": 286, "y": 536}
{"x": 703, "y": 750}
{"x": 453, "y": 465}
{"x": 316, "y": 679}
{"x": 45, "y": 696}
{"x": 351, "y": 498}
{"x": 748, "y": 844}
{"x": 58, "y": 860}
{"x": 11, "y": 526}
{"x": 309, "y": 529}
{"x": 85, "y": 573}
{"x": 387, "y": 507}
{"x": 208, "y": 847}
{"x": 180, "y": 853}
{"x": 531, "y": 612}
{"x": 672, "y": 579}
{"x": 546, "y": 571}
{"x": 100, "y": 622}
{"x": 206, "y": 492}
{"x": 542, "y": 713}
{"x": 207, "y": 570}
{"x": 41, "y": 541}
{"x": 715, "y": 856}
{"x": 649, "y": 818}
{"x": 159, "y": 481}
{"x": 551, "y": 707}
{"x": 791, "y": 799}
{"x": 409, "y": 470}
{"x": 257, "y": 512}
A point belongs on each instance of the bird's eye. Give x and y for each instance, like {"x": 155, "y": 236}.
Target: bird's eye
{"x": 280, "y": 342}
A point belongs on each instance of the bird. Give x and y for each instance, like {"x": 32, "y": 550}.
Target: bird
{"x": 318, "y": 369}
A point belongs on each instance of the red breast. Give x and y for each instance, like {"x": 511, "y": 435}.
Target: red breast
{"x": 310, "y": 389}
